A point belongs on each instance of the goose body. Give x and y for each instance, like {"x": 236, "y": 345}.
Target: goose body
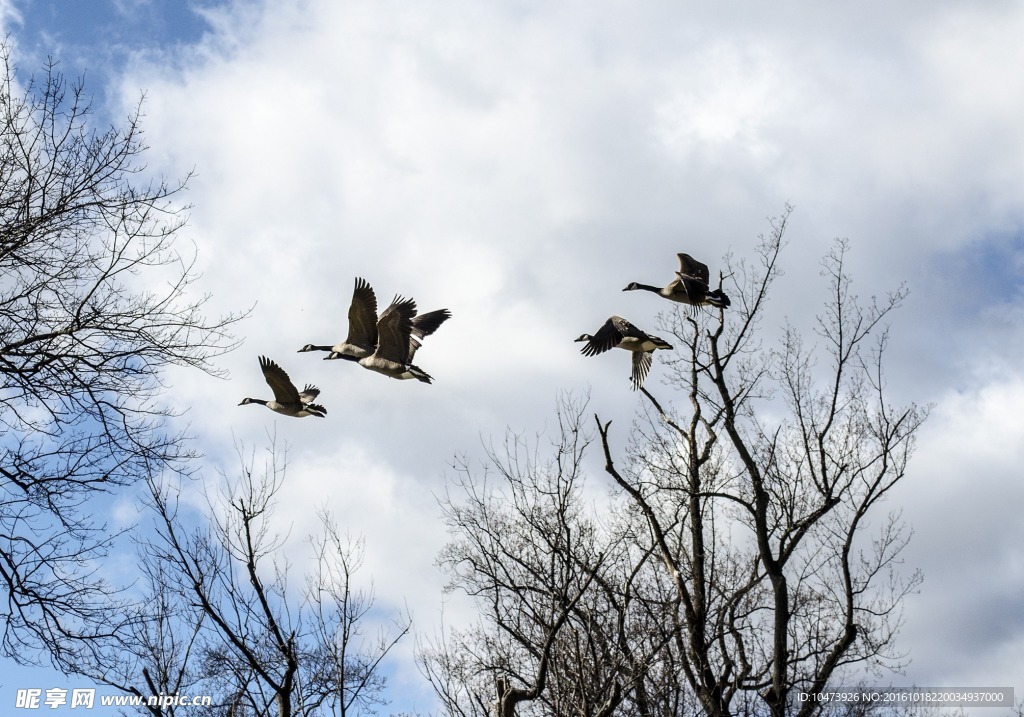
{"x": 288, "y": 400}
{"x": 396, "y": 344}
{"x": 689, "y": 287}
{"x": 619, "y": 333}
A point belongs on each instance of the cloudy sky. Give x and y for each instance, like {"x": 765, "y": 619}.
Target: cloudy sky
{"x": 519, "y": 162}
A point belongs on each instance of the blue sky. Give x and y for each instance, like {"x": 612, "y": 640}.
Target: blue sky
{"x": 101, "y": 32}
{"x": 519, "y": 163}
{"x": 100, "y": 38}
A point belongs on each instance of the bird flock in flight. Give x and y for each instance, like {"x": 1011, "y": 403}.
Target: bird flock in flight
{"x": 387, "y": 343}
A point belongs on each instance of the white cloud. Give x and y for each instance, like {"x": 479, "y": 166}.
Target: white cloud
{"x": 963, "y": 498}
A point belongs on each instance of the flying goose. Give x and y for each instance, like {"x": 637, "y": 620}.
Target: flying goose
{"x": 287, "y": 399}
{"x": 619, "y": 333}
{"x": 395, "y": 343}
{"x": 689, "y": 287}
{"x": 362, "y": 327}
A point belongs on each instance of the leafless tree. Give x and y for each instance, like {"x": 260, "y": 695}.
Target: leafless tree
{"x": 526, "y": 551}
{"x": 221, "y": 619}
{"x": 779, "y": 581}
{"x": 570, "y": 606}
{"x": 95, "y": 303}
{"x": 745, "y": 555}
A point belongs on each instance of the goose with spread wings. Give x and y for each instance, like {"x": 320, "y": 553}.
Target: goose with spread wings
{"x": 689, "y": 287}
{"x": 362, "y": 326}
{"x": 619, "y": 333}
{"x": 288, "y": 400}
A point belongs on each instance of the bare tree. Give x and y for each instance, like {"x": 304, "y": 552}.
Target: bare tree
{"x": 779, "y": 585}
{"x": 94, "y": 305}
{"x": 571, "y": 607}
{"x": 745, "y": 556}
{"x": 263, "y": 648}
{"x": 527, "y": 552}
{"x": 219, "y": 617}
{"x": 157, "y": 649}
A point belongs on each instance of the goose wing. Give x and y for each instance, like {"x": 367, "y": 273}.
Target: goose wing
{"x": 641, "y": 366}
{"x": 362, "y": 316}
{"x": 607, "y": 337}
{"x": 695, "y": 288}
{"x": 426, "y": 324}
{"x": 626, "y": 329}
{"x": 282, "y": 386}
{"x": 414, "y": 344}
{"x": 691, "y": 267}
{"x": 315, "y": 409}
{"x": 309, "y": 394}
{"x": 394, "y": 328}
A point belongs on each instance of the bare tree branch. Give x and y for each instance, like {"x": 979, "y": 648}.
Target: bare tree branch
{"x": 96, "y": 301}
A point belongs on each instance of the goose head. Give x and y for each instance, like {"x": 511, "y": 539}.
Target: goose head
{"x": 585, "y": 337}
{"x": 634, "y": 285}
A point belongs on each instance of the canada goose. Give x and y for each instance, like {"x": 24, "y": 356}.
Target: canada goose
{"x": 395, "y": 344}
{"x": 619, "y": 333}
{"x": 287, "y": 399}
{"x": 689, "y": 287}
{"x": 362, "y": 327}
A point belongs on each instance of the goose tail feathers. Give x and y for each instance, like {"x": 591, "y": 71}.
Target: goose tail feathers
{"x": 718, "y": 298}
